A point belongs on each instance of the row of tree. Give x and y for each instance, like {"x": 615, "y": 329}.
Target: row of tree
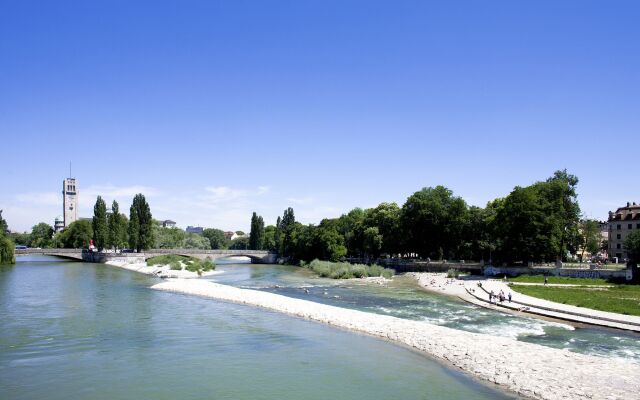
{"x": 540, "y": 222}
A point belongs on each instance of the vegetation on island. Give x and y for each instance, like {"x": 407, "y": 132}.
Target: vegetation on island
{"x": 345, "y": 270}
{"x": 621, "y": 299}
{"x": 7, "y": 253}
{"x": 178, "y": 263}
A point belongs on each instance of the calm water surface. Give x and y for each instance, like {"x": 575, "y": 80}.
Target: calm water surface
{"x": 87, "y": 331}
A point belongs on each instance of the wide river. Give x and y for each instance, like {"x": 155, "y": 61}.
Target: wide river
{"x": 89, "y": 331}
{"x": 78, "y": 331}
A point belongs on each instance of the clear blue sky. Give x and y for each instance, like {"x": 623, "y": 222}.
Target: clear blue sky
{"x": 216, "y": 109}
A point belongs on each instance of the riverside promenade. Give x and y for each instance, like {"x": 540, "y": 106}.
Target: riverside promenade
{"x": 469, "y": 290}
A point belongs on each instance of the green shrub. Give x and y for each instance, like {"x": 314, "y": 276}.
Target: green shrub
{"x": 453, "y": 273}
{"x": 208, "y": 264}
{"x": 344, "y": 270}
{"x": 175, "y": 265}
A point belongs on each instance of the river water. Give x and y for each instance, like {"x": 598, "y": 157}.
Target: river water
{"x": 404, "y": 298}
{"x": 89, "y": 331}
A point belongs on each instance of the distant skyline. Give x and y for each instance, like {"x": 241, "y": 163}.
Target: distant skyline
{"x": 214, "y": 110}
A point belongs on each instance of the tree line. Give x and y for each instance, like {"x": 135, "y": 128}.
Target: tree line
{"x": 539, "y": 222}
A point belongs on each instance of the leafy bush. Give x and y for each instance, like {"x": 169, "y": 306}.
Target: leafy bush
{"x": 344, "y": 270}
{"x": 453, "y": 273}
{"x": 176, "y": 262}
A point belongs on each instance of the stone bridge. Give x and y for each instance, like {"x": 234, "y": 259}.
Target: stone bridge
{"x": 256, "y": 256}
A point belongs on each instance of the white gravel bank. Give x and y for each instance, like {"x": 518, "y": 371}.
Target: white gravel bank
{"x": 528, "y": 369}
{"x": 163, "y": 271}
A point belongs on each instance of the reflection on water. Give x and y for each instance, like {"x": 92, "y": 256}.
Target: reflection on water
{"x": 88, "y": 331}
{"x": 403, "y": 298}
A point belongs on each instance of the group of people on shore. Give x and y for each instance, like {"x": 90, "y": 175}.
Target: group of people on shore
{"x": 499, "y": 297}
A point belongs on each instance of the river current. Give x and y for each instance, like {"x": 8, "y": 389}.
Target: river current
{"x": 89, "y": 331}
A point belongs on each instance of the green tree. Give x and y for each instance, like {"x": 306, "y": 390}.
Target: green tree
{"x": 241, "y": 243}
{"x": 351, "y": 226}
{"x": 41, "y": 235}
{"x": 216, "y": 237}
{"x": 7, "y": 250}
{"x": 385, "y": 217}
{"x": 195, "y": 241}
{"x": 372, "y": 242}
{"x": 99, "y": 224}
{"x": 270, "y": 238}
{"x": 140, "y": 224}
{"x": 589, "y": 237}
{"x": 134, "y": 228}
{"x": 7, "y": 247}
{"x": 277, "y": 235}
{"x": 21, "y": 238}
{"x": 434, "y": 219}
{"x": 76, "y": 235}
{"x": 632, "y": 246}
{"x": 256, "y": 236}
{"x": 117, "y": 228}
{"x": 287, "y": 227}
{"x": 168, "y": 238}
{"x": 4, "y": 227}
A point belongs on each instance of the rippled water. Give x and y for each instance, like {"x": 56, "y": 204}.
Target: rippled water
{"x": 403, "y": 298}
{"x": 87, "y": 331}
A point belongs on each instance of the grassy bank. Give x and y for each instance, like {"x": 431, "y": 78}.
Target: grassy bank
{"x": 178, "y": 263}
{"x": 345, "y": 270}
{"x": 621, "y": 299}
{"x": 565, "y": 280}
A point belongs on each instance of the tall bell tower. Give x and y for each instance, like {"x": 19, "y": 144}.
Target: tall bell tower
{"x": 69, "y": 201}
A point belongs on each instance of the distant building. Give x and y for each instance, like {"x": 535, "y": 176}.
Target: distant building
{"x": 58, "y": 225}
{"x": 167, "y": 223}
{"x": 69, "y": 201}
{"x": 195, "y": 229}
{"x": 621, "y": 223}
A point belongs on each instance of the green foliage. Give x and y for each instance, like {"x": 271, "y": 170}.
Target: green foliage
{"x": 241, "y": 243}
{"x": 632, "y": 245}
{"x": 117, "y": 228}
{"x": 99, "y": 224}
{"x": 589, "y": 236}
{"x": 22, "y": 238}
{"x": 217, "y": 239}
{"x": 7, "y": 249}
{"x": 177, "y": 263}
{"x": 622, "y": 299}
{"x": 288, "y": 227}
{"x": 270, "y": 238}
{"x": 195, "y": 241}
{"x": 372, "y": 241}
{"x": 41, "y": 235}
{"x": 539, "y": 222}
{"x": 565, "y": 280}
{"x": 4, "y": 227}
{"x": 168, "y": 238}
{"x": 453, "y": 273}
{"x": 77, "y": 235}
{"x": 433, "y": 218}
{"x": 344, "y": 270}
{"x": 140, "y": 224}
{"x": 256, "y": 236}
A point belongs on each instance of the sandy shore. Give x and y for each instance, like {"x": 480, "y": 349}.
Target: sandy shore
{"x": 163, "y": 271}
{"x": 528, "y": 369}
